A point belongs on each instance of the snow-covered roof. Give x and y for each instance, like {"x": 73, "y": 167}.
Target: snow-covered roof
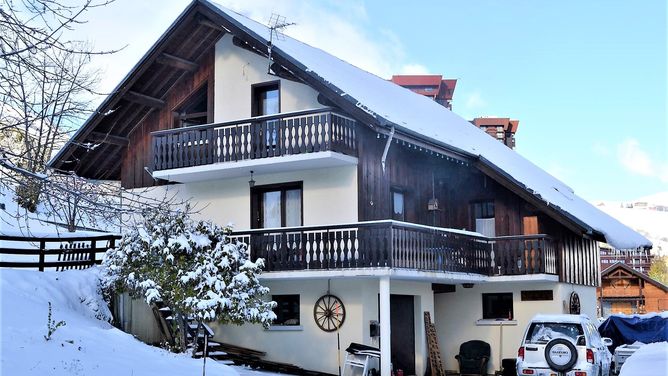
{"x": 413, "y": 114}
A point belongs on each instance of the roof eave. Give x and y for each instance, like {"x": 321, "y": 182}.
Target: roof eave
{"x": 117, "y": 92}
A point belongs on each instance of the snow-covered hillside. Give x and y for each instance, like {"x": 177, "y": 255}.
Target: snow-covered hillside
{"x": 645, "y": 215}
{"x": 85, "y": 345}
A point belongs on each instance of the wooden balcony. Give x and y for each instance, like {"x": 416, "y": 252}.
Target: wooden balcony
{"x": 259, "y": 138}
{"x": 393, "y": 244}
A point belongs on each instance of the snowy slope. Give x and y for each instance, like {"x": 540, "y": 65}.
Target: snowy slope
{"x": 413, "y": 113}
{"x": 652, "y": 224}
{"x": 85, "y": 345}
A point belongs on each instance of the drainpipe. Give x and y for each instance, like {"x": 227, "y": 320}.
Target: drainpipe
{"x": 387, "y": 148}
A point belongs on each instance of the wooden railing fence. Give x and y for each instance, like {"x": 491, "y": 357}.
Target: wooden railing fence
{"x": 254, "y": 138}
{"x": 65, "y": 253}
{"x": 399, "y": 245}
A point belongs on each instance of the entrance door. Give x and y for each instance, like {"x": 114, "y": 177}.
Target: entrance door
{"x": 402, "y": 325}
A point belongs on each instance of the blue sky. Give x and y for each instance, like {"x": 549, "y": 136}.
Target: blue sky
{"x": 586, "y": 79}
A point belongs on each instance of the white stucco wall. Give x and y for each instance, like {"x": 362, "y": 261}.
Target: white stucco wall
{"x": 314, "y": 349}
{"x": 236, "y": 70}
{"x": 458, "y": 312}
{"x": 329, "y": 196}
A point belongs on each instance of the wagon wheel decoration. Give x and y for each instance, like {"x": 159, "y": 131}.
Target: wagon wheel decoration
{"x": 329, "y": 313}
{"x": 574, "y": 304}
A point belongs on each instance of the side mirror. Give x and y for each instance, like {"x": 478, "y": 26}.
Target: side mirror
{"x": 607, "y": 341}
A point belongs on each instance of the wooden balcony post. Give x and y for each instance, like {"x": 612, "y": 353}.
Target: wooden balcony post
{"x": 42, "y": 250}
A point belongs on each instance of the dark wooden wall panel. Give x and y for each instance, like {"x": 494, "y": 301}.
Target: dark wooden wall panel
{"x": 456, "y": 186}
{"x": 138, "y": 154}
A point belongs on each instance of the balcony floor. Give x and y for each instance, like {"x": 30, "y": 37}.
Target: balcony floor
{"x": 407, "y": 275}
{"x": 234, "y": 169}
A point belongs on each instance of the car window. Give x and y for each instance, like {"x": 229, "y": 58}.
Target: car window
{"x": 594, "y": 337}
{"x": 544, "y": 332}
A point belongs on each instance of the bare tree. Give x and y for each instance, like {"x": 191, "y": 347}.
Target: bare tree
{"x": 47, "y": 89}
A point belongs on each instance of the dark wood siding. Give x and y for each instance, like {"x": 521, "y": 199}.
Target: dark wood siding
{"x": 456, "y": 186}
{"x": 138, "y": 154}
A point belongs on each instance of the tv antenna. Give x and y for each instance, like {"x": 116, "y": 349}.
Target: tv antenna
{"x": 277, "y": 24}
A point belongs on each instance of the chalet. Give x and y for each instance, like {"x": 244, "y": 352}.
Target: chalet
{"x": 370, "y": 204}
{"x": 625, "y": 290}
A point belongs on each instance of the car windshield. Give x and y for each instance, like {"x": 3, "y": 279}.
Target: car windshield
{"x": 544, "y": 332}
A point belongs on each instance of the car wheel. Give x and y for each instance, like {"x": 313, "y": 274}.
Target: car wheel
{"x": 561, "y": 355}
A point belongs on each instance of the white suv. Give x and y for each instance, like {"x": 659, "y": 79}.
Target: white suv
{"x": 563, "y": 345}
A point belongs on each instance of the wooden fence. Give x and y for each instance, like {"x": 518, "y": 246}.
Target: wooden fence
{"x": 40, "y": 253}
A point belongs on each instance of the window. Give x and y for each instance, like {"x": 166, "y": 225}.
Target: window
{"x": 266, "y": 99}
{"x": 540, "y": 333}
{"x": 536, "y": 295}
{"x": 286, "y": 310}
{"x": 194, "y": 110}
{"x": 483, "y": 217}
{"x": 497, "y": 306}
{"x": 276, "y": 205}
{"x": 398, "y": 205}
{"x": 483, "y": 209}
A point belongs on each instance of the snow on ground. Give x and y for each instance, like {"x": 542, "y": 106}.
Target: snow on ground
{"x": 85, "y": 345}
{"x": 651, "y": 223}
{"x": 649, "y": 360}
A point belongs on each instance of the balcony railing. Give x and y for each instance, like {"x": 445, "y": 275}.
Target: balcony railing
{"x": 254, "y": 138}
{"x": 398, "y": 245}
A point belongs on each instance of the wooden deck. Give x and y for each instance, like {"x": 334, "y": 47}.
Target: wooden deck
{"x": 394, "y": 244}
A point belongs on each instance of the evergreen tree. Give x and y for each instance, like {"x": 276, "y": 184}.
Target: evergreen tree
{"x": 192, "y": 266}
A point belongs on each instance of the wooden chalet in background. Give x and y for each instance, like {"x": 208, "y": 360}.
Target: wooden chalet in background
{"x": 625, "y": 290}
{"x": 348, "y": 185}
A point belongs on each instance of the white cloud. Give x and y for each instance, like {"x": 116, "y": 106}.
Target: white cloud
{"x": 414, "y": 69}
{"x": 637, "y": 161}
{"x": 339, "y": 28}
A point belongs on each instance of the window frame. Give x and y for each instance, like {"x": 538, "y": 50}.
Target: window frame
{"x": 298, "y": 313}
{"x": 402, "y": 192}
{"x": 262, "y": 86}
{"x": 257, "y": 192}
{"x": 486, "y": 303}
{"x": 480, "y": 202}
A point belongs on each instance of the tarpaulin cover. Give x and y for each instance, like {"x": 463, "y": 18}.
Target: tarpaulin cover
{"x": 629, "y": 329}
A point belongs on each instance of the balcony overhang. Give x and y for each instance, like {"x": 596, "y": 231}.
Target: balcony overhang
{"x": 235, "y": 169}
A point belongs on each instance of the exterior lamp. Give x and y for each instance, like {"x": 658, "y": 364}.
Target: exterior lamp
{"x": 251, "y": 182}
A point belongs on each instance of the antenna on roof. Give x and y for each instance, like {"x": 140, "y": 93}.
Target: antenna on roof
{"x": 276, "y": 25}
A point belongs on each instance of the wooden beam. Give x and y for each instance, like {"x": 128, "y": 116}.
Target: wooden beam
{"x": 209, "y": 24}
{"x": 177, "y": 62}
{"x": 108, "y": 138}
{"x": 144, "y": 99}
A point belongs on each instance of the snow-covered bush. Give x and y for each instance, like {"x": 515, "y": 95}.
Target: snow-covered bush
{"x": 194, "y": 267}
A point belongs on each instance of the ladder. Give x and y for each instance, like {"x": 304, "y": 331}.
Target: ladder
{"x": 434, "y": 351}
